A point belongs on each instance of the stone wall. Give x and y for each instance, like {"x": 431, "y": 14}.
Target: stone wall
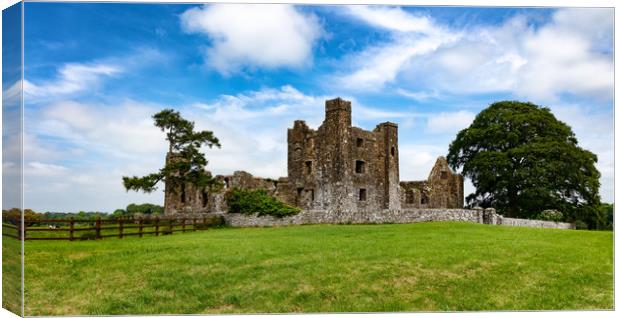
{"x": 537, "y": 223}
{"x": 335, "y": 217}
{"x": 477, "y": 215}
{"x": 344, "y": 217}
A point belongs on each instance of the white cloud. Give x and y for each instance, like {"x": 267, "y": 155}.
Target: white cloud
{"x": 450, "y": 122}
{"x": 418, "y": 95}
{"x": 535, "y": 63}
{"x": 248, "y": 35}
{"x": 378, "y": 65}
{"x": 100, "y": 129}
{"x": 12, "y": 95}
{"x": 72, "y": 78}
{"x": 75, "y": 79}
{"x": 36, "y": 168}
{"x": 392, "y": 18}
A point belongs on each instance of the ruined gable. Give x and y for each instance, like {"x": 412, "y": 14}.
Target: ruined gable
{"x": 442, "y": 189}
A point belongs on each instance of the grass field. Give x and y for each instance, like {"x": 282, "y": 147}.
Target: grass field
{"x": 324, "y": 268}
{"x": 11, "y": 275}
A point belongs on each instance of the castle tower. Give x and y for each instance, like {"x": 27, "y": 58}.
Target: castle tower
{"x": 339, "y": 167}
{"x": 334, "y": 157}
{"x": 389, "y": 181}
{"x": 337, "y": 125}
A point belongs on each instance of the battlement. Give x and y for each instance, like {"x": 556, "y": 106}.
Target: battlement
{"x": 337, "y": 104}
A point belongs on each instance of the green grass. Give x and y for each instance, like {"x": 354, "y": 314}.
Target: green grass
{"x": 324, "y": 268}
{"x": 11, "y": 274}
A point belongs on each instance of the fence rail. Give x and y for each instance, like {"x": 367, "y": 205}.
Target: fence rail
{"x": 73, "y": 229}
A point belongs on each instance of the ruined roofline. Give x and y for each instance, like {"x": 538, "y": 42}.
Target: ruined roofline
{"x": 338, "y": 104}
{"x": 301, "y": 124}
{"x": 243, "y": 172}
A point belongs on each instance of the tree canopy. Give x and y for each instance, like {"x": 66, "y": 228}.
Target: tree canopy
{"x": 522, "y": 160}
{"x": 187, "y": 164}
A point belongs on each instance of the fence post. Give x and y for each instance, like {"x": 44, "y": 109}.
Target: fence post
{"x": 183, "y": 225}
{"x": 140, "y": 227}
{"x": 157, "y": 226}
{"x": 71, "y": 227}
{"x": 98, "y": 228}
{"x": 19, "y": 229}
{"x": 120, "y": 228}
{"x": 204, "y": 222}
{"x": 194, "y": 223}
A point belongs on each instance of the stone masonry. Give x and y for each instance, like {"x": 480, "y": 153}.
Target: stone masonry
{"x": 476, "y": 215}
{"x": 336, "y": 168}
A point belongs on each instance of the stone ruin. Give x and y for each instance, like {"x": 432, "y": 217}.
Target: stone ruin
{"x": 336, "y": 167}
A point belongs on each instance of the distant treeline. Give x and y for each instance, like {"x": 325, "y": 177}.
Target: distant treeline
{"x": 132, "y": 210}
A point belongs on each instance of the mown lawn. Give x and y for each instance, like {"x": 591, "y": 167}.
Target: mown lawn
{"x": 324, "y": 268}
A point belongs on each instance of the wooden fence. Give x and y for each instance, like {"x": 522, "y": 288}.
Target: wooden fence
{"x": 72, "y": 229}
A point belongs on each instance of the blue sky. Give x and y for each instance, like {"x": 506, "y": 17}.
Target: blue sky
{"x": 11, "y": 105}
{"x": 95, "y": 73}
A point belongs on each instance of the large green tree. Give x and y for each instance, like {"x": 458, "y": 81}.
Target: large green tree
{"x": 187, "y": 164}
{"x": 522, "y": 160}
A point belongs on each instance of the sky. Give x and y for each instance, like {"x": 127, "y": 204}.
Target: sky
{"x": 96, "y": 73}
{"x": 11, "y": 106}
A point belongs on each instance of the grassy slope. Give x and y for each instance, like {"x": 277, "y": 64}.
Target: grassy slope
{"x": 324, "y": 268}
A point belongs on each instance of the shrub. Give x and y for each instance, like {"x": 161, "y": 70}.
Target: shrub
{"x": 166, "y": 231}
{"x": 257, "y": 201}
{"x": 88, "y": 236}
{"x": 550, "y": 215}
